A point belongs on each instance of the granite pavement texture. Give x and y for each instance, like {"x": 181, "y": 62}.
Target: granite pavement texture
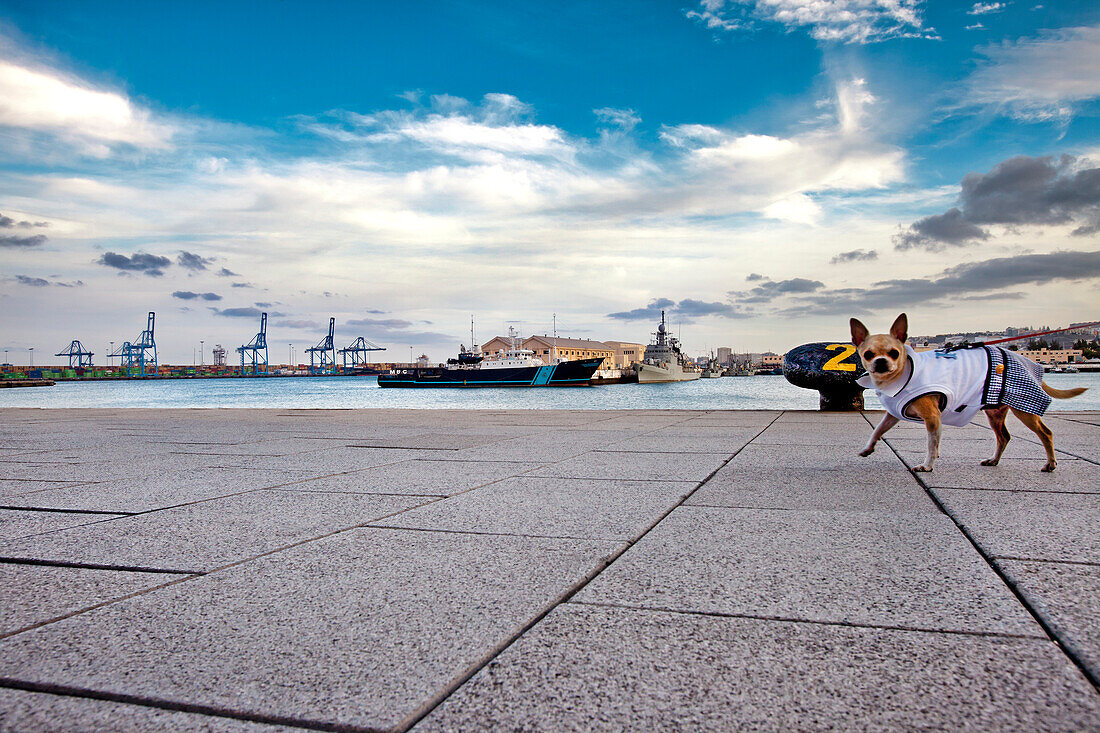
{"x": 396, "y": 570}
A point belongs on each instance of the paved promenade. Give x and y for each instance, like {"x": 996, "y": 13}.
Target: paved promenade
{"x": 273, "y": 570}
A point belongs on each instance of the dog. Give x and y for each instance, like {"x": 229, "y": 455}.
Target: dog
{"x": 949, "y": 388}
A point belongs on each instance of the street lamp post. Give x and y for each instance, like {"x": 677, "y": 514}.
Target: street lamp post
{"x": 202, "y": 347}
{"x": 31, "y": 349}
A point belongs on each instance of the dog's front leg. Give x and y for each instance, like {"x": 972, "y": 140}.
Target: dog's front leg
{"x": 888, "y": 421}
{"x": 927, "y": 408}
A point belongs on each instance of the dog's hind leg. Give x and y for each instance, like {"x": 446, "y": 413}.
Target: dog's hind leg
{"x": 997, "y": 422}
{"x": 1036, "y": 424}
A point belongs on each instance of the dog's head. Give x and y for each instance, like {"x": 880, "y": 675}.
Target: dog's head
{"x": 883, "y": 354}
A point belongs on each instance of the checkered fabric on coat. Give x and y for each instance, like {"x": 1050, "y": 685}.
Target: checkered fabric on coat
{"x": 1015, "y": 381}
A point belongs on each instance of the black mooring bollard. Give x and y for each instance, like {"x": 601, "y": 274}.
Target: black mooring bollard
{"x": 831, "y": 369}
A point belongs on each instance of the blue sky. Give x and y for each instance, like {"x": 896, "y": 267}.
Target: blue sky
{"x": 761, "y": 168}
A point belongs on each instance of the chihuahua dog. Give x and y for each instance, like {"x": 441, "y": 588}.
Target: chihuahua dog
{"x": 949, "y": 388}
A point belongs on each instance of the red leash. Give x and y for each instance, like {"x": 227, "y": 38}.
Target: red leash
{"x": 976, "y": 344}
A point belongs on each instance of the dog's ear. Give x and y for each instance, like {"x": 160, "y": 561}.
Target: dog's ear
{"x": 900, "y": 329}
{"x": 859, "y": 331}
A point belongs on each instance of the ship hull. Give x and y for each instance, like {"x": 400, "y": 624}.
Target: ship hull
{"x": 653, "y": 374}
{"x": 576, "y": 373}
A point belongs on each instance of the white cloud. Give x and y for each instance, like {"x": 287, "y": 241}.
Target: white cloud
{"x": 985, "y": 8}
{"x": 1042, "y": 78}
{"x": 44, "y": 101}
{"x": 844, "y": 21}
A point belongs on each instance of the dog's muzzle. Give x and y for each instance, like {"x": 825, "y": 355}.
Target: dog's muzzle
{"x": 881, "y": 366}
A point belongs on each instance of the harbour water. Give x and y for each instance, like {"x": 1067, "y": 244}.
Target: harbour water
{"x": 731, "y": 393}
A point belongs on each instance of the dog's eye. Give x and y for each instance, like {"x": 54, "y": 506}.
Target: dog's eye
{"x": 893, "y": 353}
{"x": 868, "y": 355}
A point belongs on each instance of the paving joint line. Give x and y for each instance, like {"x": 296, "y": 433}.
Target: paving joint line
{"x": 94, "y": 566}
{"x": 426, "y": 708}
{"x": 809, "y": 621}
{"x": 67, "y": 511}
{"x": 1085, "y": 563}
{"x": 991, "y": 561}
{"x": 183, "y": 707}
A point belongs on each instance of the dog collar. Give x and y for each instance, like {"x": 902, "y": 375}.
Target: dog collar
{"x": 893, "y": 388}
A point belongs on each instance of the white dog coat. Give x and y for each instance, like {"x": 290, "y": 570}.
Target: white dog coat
{"x": 967, "y": 381}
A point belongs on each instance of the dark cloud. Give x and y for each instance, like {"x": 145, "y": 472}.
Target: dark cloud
{"x": 6, "y": 222}
{"x": 13, "y": 240}
{"x": 938, "y": 231}
{"x": 188, "y": 295}
{"x": 754, "y": 277}
{"x": 192, "y": 261}
{"x": 693, "y": 308}
{"x": 684, "y": 311}
{"x": 225, "y": 272}
{"x": 986, "y": 280}
{"x": 41, "y": 282}
{"x": 648, "y": 313}
{"x": 380, "y": 322}
{"x": 768, "y": 290}
{"x": 1018, "y": 191}
{"x": 242, "y": 285}
{"x": 240, "y": 312}
{"x": 856, "y": 255}
{"x": 152, "y": 265}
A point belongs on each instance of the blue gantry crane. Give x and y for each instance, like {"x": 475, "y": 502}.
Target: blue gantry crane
{"x": 325, "y": 353}
{"x": 257, "y": 361}
{"x": 140, "y": 355}
{"x": 78, "y": 355}
{"x": 356, "y": 352}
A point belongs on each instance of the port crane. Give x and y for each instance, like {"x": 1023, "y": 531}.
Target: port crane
{"x": 256, "y": 350}
{"x": 78, "y": 355}
{"x": 325, "y": 352}
{"x": 356, "y": 352}
{"x": 140, "y": 354}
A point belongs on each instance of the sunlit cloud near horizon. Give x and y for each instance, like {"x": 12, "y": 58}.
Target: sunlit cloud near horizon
{"x": 897, "y": 161}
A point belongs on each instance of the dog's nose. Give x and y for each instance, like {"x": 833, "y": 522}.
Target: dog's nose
{"x": 881, "y": 365}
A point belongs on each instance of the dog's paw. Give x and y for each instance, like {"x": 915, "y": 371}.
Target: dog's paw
{"x": 923, "y": 469}
{"x": 866, "y": 452}
{"x": 1049, "y": 468}
{"x": 990, "y": 462}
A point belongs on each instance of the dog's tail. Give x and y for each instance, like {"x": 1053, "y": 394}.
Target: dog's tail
{"x": 1063, "y": 394}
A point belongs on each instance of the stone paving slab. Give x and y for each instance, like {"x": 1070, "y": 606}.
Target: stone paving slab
{"x": 33, "y": 594}
{"x": 845, "y": 458}
{"x": 551, "y": 507}
{"x": 16, "y": 523}
{"x": 636, "y": 466}
{"x": 418, "y": 476}
{"x": 751, "y": 485}
{"x": 209, "y": 534}
{"x": 662, "y": 442}
{"x": 37, "y": 712}
{"x": 909, "y": 570}
{"x": 356, "y": 629}
{"x": 1029, "y": 525}
{"x": 18, "y": 487}
{"x": 589, "y": 667}
{"x": 156, "y": 491}
{"x": 1068, "y": 597}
